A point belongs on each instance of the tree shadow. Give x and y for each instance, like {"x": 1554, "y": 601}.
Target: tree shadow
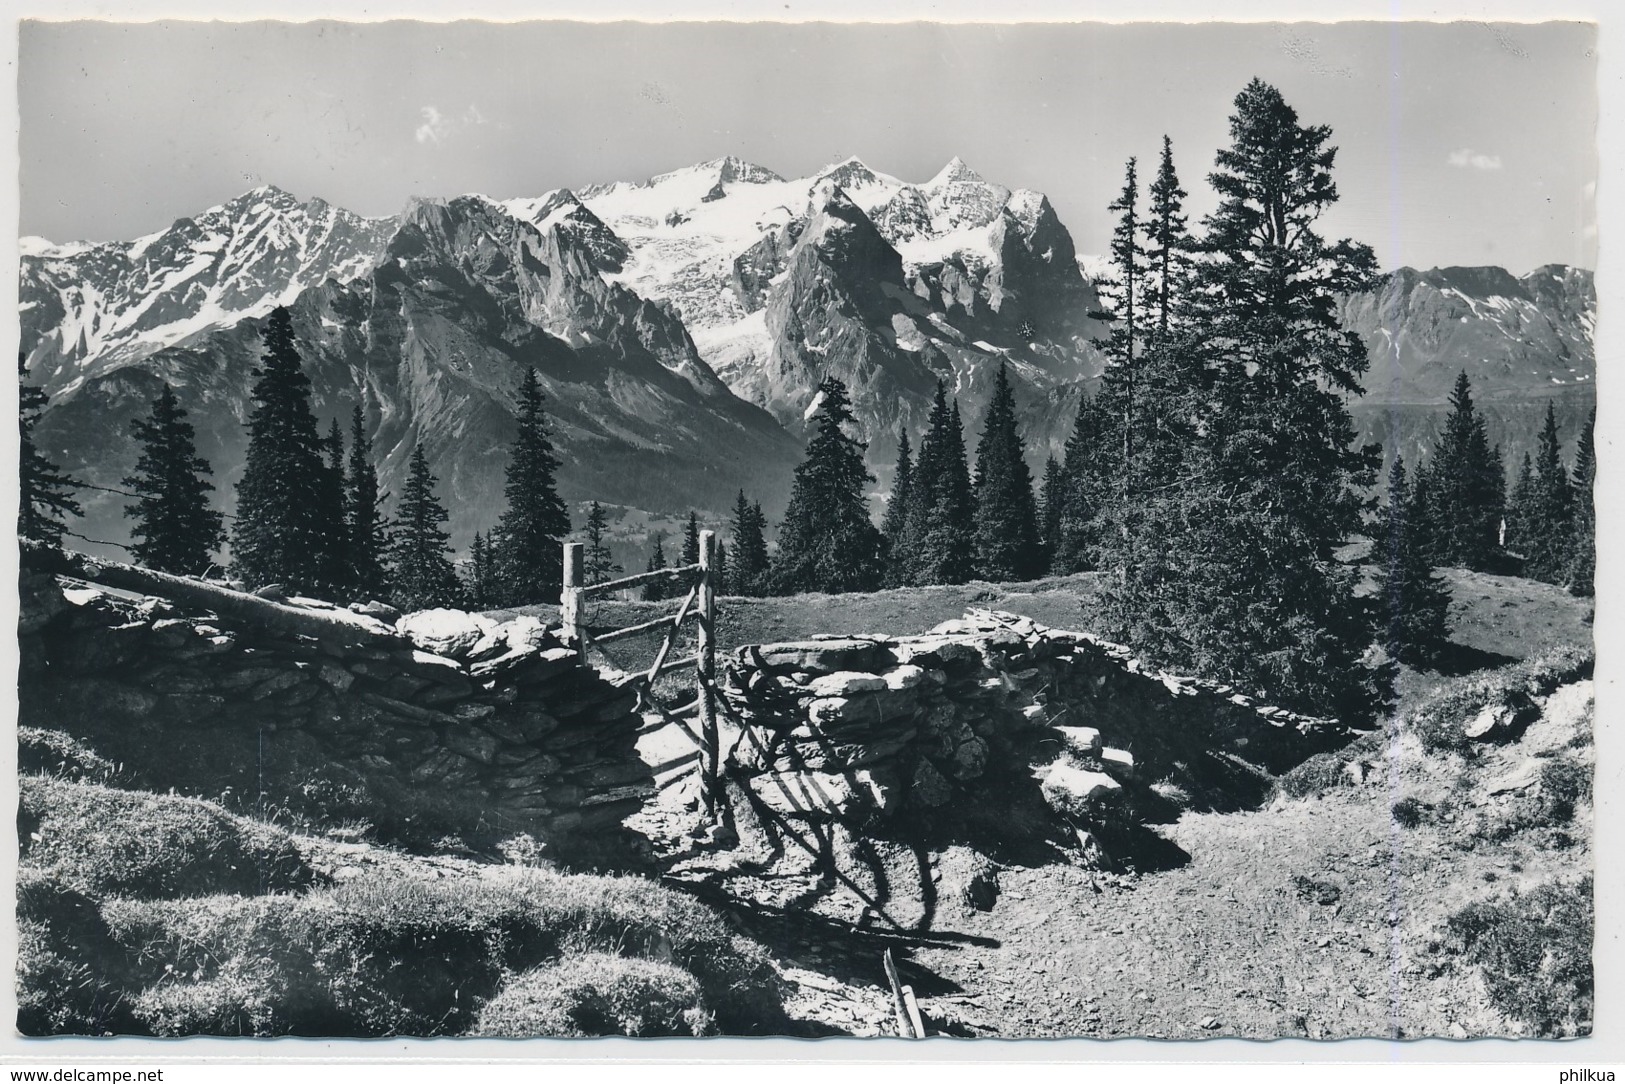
{"x": 1458, "y": 659}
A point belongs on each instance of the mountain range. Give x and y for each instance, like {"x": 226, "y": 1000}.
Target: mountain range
{"x": 680, "y": 326}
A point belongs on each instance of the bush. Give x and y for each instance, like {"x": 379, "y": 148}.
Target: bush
{"x": 1534, "y": 952}
{"x": 1438, "y": 720}
{"x": 1564, "y": 783}
{"x": 405, "y": 956}
{"x": 102, "y": 841}
{"x": 597, "y": 994}
{"x": 1408, "y": 812}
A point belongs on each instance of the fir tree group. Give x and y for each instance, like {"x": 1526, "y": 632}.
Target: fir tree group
{"x": 528, "y": 539}
{"x": 46, "y": 495}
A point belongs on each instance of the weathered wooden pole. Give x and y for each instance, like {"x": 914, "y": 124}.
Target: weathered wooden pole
{"x": 710, "y": 776}
{"x": 570, "y": 599}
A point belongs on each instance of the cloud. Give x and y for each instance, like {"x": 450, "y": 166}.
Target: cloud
{"x": 437, "y": 126}
{"x": 1471, "y": 159}
{"x": 434, "y": 126}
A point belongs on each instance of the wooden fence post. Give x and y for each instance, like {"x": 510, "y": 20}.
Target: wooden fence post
{"x": 706, "y": 679}
{"x": 570, "y": 599}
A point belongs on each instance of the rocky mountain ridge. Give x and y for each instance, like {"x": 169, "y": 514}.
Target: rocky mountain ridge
{"x": 681, "y": 324}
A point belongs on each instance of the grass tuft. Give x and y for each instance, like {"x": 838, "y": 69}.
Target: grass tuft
{"x": 1534, "y": 951}
{"x": 598, "y": 994}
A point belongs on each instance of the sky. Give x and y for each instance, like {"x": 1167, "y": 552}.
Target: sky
{"x": 1460, "y": 143}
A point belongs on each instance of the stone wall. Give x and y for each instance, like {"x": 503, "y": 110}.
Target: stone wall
{"x": 865, "y": 729}
{"x": 442, "y": 723}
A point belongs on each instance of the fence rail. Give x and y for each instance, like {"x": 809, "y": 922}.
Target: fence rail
{"x": 698, "y": 606}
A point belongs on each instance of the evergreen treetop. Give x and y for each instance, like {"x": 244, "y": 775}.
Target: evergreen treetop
{"x": 175, "y": 530}
{"x": 827, "y": 542}
{"x": 1007, "y": 541}
{"x": 45, "y": 497}
{"x": 528, "y": 539}
{"x": 424, "y": 574}
{"x": 281, "y": 530}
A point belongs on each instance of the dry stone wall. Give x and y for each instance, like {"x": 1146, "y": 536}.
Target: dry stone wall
{"x": 440, "y": 723}
{"x": 863, "y": 729}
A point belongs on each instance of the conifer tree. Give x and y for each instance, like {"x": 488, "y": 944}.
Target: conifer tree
{"x": 336, "y": 565}
{"x": 1466, "y": 484}
{"x": 1520, "y": 507}
{"x": 45, "y": 496}
{"x": 1007, "y": 543}
{"x": 1233, "y": 572}
{"x": 528, "y": 538}
{"x": 750, "y": 547}
{"x": 424, "y": 575}
{"x": 827, "y": 542}
{"x": 940, "y": 529}
{"x": 1414, "y": 602}
{"x": 1551, "y": 526}
{"x": 657, "y": 590}
{"x": 1051, "y": 491}
{"x": 367, "y": 530}
{"x": 721, "y": 575}
{"x": 1124, "y": 293}
{"x": 1168, "y": 243}
{"x": 477, "y": 583}
{"x": 1583, "y": 555}
{"x": 1085, "y": 489}
{"x": 598, "y": 564}
{"x": 691, "y": 540}
{"x": 901, "y": 489}
{"x": 281, "y": 529}
{"x": 175, "y": 529}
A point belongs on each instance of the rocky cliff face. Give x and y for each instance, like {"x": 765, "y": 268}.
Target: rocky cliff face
{"x": 89, "y": 308}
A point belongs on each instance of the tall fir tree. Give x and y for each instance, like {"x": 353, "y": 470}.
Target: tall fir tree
{"x": 1007, "y": 541}
{"x": 478, "y": 582}
{"x": 597, "y": 563}
{"x": 46, "y": 492}
{"x": 1125, "y": 294}
{"x": 902, "y": 487}
{"x": 336, "y": 564}
{"x": 940, "y": 529}
{"x": 1551, "y": 528}
{"x": 691, "y": 539}
{"x": 1052, "y": 491}
{"x": 1414, "y": 603}
{"x": 1466, "y": 485}
{"x": 749, "y": 547}
{"x": 1583, "y": 550}
{"x": 175, "y": 528}
{"x": 1167, "y": 244}
{"x": 722, "y": 574}
{"x": 827, "y": 542}
{"x": 1232, "y": 572}
{"x": 424, "y": 574}
{"x": 528, "y": 539}
{"x": 657, "y": 589}
{"x": 281, "y": 530}
{"x": 367, "y": 529}
{"x": 1520, "y": 507}
{"x": 1086, "y": 489}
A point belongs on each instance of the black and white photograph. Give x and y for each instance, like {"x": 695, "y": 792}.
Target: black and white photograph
{"x": 826, "y": 530}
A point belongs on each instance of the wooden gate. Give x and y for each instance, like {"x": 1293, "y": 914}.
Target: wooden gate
{"x": 698, "y": 605}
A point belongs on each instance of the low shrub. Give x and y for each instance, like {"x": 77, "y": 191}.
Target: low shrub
{"x": 1438, "y": 720}
{"x": 1564, "y": 783}
{"x": 1534, "y": 951}
{"x": 597, "y": 994}
{"x": 1409, "y": 812}
{"x": 102, "y": 841}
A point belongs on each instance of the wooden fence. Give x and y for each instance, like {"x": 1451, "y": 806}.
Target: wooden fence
{"x": 699, "y": 605}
